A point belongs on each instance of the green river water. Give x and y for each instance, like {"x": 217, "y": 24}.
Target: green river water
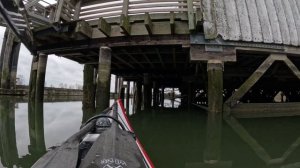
{"x": 173, "y": 137}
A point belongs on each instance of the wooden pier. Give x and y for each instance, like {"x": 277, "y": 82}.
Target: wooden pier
{"x": 232, "y": 56}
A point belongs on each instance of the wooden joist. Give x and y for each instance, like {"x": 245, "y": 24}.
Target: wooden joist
{"x": 125, "y": 24}
{"x": 104, "y": 27}
{"x": 84, "y": 29}
{"x": 148, "y": 23}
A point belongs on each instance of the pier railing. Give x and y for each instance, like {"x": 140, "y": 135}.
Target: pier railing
{"x": 115, "y": 8}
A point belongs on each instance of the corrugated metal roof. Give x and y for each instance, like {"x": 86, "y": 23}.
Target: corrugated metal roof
{"x": 266, "y": 21}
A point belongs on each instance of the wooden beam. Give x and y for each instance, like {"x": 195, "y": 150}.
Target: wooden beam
{"x": 201, "y": 53}
{"x": 83, "y": 28}
{"x": 148, "y": 23}
{"x": 125, "y": 24}
{"x": 123, "y": 61}
{"x": 258, "y": 110}
{"x": 243, "y": 89}
{"x": 132, "y": 58}
{"x": 104, "y": 27}
{"x": 147, "y": 59}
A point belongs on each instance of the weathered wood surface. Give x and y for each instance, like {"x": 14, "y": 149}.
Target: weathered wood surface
{"x": 267, "y": 21}
{"x": 200, "y": 53}
{"x": 40, "y": 77}
{"x": 259, "y": 110}
{"x": 103, "y": 81}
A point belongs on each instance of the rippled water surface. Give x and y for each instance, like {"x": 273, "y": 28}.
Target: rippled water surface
{"x": 173, "y": 137}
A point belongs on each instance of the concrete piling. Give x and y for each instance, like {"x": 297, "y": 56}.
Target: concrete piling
{"x": 103, "y": 82}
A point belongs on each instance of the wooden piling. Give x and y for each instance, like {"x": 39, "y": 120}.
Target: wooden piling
{"x": 162, "y": 97}
{"x": 127, "y": 96}
{"x": 32, "y": 80}
{"x": 3, "y": 51}
{"x": 40, "y": 77}
{"x": 6, "y": 59}
{"x": 189, "y": 94}
{"x": 116, "y": 84}
{"x": 138, "y": 96}
{"x": 215, "y": 106}
{"x": 147, "y": 91}
{"x": 122, "y": 94}
{"x": 155, "y": 94}
{"x": 103, "y": 82}
{"x": 88, "y": 87}
{"x": 14, "y": 63}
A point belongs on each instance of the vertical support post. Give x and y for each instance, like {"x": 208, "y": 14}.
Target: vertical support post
{"x": 122, "y": 94}
{"x": 88, "y": 87}
{"x": 103, "y": 84}
{"x": 189, "y": 94}
{"x": 125, "y": 7}
{"x": 155, "y": 94}
{"x": 58, "y": 11}
{"x": 215, "y": 108}
{"x": 77, "y": 9}
{"x": 138, "y": 96}
{"x": 191, "y": 15}
{"x": 32, "y": 80}
{"x": 120, "y": 85}
{"x": 173, "y": 97}
{"x": 3, "y": 51}
{"x": 14, "y": 63}
{"x": 162, "y": 97}
{"x": 116, "y": 85}
{"x": 6, "y": 58}
{"x": 127, "y": 96}
{"x": 147, "y": 91}
{"x": 40, "y": 77}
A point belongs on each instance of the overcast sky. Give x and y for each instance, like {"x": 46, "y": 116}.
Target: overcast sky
{"x": 59, "y": 70}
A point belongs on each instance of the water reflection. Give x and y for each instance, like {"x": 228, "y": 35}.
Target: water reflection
{"x": 8, "y": 147}
{"x": 173, "y": 137}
